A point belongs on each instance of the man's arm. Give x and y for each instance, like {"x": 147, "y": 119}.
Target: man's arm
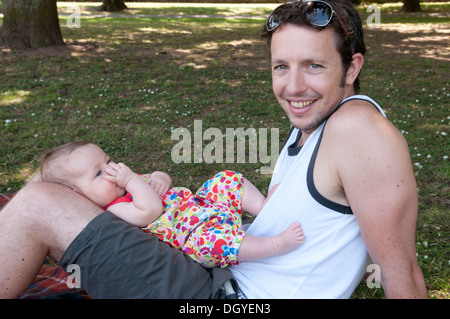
{"x": 374, "y": 167}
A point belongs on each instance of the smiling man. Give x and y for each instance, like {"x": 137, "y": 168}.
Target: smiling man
{"x": 345, "y": 172}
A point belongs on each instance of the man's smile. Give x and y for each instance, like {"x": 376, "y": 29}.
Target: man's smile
{"x": 301, "y": 104}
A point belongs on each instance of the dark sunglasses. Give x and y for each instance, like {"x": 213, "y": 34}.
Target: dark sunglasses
{"x": 318, "y": 13}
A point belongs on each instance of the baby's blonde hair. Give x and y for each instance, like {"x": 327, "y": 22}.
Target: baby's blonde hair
{"x": 52, "y": 164}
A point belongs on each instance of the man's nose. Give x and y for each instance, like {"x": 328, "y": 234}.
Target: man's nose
{"x": 296, "y": 83}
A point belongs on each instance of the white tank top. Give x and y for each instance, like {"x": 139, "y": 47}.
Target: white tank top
{"x": 332, "y": 260}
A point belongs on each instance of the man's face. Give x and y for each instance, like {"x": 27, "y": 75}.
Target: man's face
{"x": 307, "y": 74}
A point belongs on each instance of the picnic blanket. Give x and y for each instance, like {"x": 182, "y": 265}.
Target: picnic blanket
{"x": 51, "y": 281}
{"x": 4, "y": 198}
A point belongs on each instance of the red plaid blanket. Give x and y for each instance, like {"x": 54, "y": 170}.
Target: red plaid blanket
{"x": 4, "y": 198}
{"x": 51, "y": 281}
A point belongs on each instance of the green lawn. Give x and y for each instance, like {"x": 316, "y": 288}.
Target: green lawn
{"x": 127, "y": 82}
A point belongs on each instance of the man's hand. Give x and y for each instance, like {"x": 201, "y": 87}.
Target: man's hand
{"x": 118, "y": 173}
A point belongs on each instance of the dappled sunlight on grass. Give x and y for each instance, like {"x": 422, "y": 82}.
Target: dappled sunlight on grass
{"x": 425, "y": 40}
{"x": 174, "y": 9}
{"x": 13, "y": 97}
{"x": 163, "y": 31}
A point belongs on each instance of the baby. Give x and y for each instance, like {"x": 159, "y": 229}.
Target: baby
{"x": 206, "y": 225}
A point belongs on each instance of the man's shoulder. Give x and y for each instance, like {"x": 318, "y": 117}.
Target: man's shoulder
{"x": 357, "y": 114}
{"x": 358, "y": 126}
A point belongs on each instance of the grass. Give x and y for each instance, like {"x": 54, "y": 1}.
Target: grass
{"x": 126, "y": 82}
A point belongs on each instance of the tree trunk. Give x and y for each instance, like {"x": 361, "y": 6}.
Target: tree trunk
{"x": 411, "y": 6}
{"x": 113, "y": 5}
{"x": 30, "y": 24}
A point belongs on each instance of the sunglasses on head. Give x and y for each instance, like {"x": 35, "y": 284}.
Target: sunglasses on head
{"x": 318, "y": 13}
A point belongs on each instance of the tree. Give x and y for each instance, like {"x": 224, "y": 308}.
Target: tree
{"x": 113, "y": 5}
{"x": 411, "y": 6}
{"x": 30, "y": 24}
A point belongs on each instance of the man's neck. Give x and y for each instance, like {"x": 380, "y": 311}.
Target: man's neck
{"x": 349, "y": 91}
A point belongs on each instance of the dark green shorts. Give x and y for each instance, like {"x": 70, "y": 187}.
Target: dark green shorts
{"x": 118, "y": 260}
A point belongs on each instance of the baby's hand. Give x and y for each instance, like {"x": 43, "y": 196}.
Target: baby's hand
{"x": 161, "y": 182}
{"x": 118, "y": 173}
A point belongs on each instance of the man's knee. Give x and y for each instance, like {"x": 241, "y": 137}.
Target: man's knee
{"x": 25, "y": 206}
{"x": 38, "y": 201}
{"x": 34, "y": 195}
{"x": 51, "y": 214}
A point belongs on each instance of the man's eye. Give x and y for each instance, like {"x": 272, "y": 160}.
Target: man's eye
{"x": 280, "y": 67}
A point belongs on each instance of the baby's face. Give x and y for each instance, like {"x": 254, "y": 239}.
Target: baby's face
{"x": 87, "y": 164}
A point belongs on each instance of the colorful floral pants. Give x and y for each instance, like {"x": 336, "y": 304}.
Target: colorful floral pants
{"x": 206, "y": 225}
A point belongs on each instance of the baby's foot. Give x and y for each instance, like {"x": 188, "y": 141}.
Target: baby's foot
{"x": 288, "y": 240}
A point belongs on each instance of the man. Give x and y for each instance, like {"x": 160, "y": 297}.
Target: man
{"x": 358, "y": 160}
{"x": 331, "y": 162}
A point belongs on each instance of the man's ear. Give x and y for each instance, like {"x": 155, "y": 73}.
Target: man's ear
{"x": 354, "y": 68}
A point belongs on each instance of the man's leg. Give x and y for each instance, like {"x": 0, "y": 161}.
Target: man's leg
{"x": 117, "y": 260}
{"x": 42, "y": 219}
